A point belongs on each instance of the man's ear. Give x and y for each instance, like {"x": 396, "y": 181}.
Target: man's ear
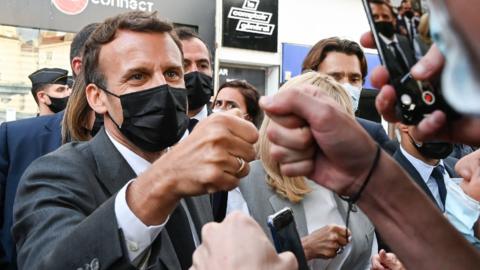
{"x": 76, "y": 65}
{"x": 94, "y": 98}
{"x": 42, "y": 97}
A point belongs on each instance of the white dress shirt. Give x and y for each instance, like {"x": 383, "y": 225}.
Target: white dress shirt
{"x": 425, "y": 170}
{"x": 321, "y": 210}
{"x": 137, "y": 235}
{"x": 236, "y": 202}
{"x": 201, "y": 114}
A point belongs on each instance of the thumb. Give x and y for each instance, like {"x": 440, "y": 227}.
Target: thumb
{"x": 429, "y": 65}
{"x": 287, "y": 260}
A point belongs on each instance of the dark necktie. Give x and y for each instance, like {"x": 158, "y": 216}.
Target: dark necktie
{"x": 412, "y": 29}
{"x": 401, "y": 61}
{"x": 191, "y": 124}
{"x": 180, "y": 234}
{"x": 437, "y": 174}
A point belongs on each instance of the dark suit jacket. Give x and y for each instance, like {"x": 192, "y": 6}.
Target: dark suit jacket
{"x": 402, "y": 25}
{"x": 395, "y": 69}
{"x": 21, "y": 142}
{"x": 376, "y": 131}
{"x": 64, "y": 215}
{"x": 412, "y": 171}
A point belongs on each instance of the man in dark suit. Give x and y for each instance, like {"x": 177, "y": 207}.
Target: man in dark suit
{"x": 398, "y": 52}
{"x": 428, "y": 164}
{"x": 125, "y": 198}
{"x": 197, "y": 63}
{"x": 21, "y": 143}
{"x": 345, "y": 61}
{"x": 407, "y": 22}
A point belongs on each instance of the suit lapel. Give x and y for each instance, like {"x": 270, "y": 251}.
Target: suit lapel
{"x": 403, "y": 161}
{"x": 298, "y": 212}
{"x": 112, "y": 169}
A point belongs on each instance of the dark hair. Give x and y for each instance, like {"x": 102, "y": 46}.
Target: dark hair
{"x": 79, "y": 40}
{"x": 137, "y": 21}
{"x": 37, "y": 88}
{"x": 382, "y": 2}
{"x": 250, "y": 95}
{"x": 319, "y": 52}
{"x": 77, "y": 113}
{"x": 185, "y": 33}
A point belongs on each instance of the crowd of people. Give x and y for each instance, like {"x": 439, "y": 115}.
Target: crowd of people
{"x": 142, "y": 165}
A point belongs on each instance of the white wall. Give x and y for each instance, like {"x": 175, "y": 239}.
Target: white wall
{"x": 308, "y": 21}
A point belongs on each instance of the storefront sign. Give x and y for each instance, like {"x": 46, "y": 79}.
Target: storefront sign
{"x": 250, "y": 24}
{"x": 74, "y": 7}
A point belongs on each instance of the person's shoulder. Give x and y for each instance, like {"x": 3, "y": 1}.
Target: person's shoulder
{"x": 368, "y": 123}
{"x": 33, "y": 122}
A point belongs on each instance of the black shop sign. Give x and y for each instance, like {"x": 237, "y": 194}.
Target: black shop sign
{"x": 250, "y": 24}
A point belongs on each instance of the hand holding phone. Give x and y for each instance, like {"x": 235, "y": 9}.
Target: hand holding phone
{"x": 415, "y": 99}
{"x": 285, "y": 235}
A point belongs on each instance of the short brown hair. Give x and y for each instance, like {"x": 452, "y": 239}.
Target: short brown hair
{"x": 75, "y": 123}
{"x": 319, "y": 52}
{"x": 383, "y": 2}
{"x": 250, "y": 95}
{"x": 136, "y": 21}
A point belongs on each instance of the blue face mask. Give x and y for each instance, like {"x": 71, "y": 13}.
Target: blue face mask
{"x": 355, "y": 93}
{"x": 460, "y": 81}
{"x": 461, "y": 210}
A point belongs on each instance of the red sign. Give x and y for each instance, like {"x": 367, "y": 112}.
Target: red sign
{"x": 70, "y": 7}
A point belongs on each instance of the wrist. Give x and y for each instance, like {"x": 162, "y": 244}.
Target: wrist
{"x": 150, "y": 200}
{"x": 306, "y": 247}
{"x": 357, "y": 188}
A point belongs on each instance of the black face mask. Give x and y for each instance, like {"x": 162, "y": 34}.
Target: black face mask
{"x": 97, "y": 125}
{"x": 200, "y": 89}
{"x": 154, "y": 119}
{"x": 409, "y": 14}
{"x": 434, "y": 150}
{"x": 385, "y": 28}
{"x": 57, "y": 104}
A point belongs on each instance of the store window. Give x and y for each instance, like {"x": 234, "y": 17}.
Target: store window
{"x": 23, "y": 51}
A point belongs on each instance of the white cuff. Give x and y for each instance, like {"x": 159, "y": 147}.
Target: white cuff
{"x": 138, "y": 236}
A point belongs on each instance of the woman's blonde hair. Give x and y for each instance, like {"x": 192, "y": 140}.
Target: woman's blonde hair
{"x": 424, "y": 29}
{"x": 295, "y": 188}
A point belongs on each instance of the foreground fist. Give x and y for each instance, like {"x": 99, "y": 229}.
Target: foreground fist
{"x": 386, "y": 261}
{"x": 212, "y": 158}
{"x": 313, "y": 136}
{"x": 325, "y": 242}
{"x": 238, "y": 243}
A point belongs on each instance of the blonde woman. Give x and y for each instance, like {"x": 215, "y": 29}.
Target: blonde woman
{"x": 319, "y": 213}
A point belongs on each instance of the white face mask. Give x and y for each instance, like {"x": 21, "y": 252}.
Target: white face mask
{"x": 354, "y": 92}
{"x": 462, "y": 210}
{"x": 460, "y": 82}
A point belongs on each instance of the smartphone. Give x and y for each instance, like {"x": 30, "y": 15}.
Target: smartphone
{"x": 415, "y": 99}
{"x": 285, "y": 235}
